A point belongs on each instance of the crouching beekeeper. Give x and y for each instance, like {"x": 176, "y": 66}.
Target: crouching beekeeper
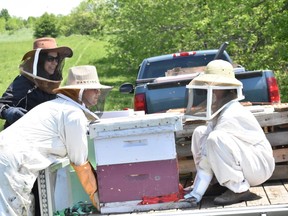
{"x": 232, "y": 146}
{"x": 50, "y": 131}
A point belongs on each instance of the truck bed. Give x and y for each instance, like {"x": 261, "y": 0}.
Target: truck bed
{"x": 161, "y": 81}
{"x": 272, "y": 196}
{"x": 273, "y": 201}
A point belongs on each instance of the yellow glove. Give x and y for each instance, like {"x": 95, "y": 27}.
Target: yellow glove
{"x": 88, "y": 180}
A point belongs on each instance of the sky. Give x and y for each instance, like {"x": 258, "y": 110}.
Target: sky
{"x": 36, "y": 8}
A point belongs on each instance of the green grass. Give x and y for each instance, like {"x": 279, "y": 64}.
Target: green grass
{"x": 20, "y": 35}
{"x": 86, "y": 51}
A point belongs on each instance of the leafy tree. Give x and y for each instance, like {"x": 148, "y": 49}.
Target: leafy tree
{"x": 255, "y": 29}
{"x": 46, "y": 26}
{"x": 2, "y": 25}
{"x": 148, "y": 28}
{"x": 86, "y": 19}
{"x": 85, "y": 23}
{"x": 66, "y": 25}
{"x": 14, "y": 24}
{"x": 5, "y": 14}
{"x": 10, "y": 23}
{"x": 30, "y": 22}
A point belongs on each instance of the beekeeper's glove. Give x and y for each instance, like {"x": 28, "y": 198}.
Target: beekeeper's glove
{"x": 12, "y": 114}
{"x": 88, "y": 180}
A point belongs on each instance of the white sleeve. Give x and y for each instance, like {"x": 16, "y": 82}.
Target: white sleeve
{"x": 76, "y": 137}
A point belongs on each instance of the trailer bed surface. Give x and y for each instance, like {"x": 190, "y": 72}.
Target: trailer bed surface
{"x": 272, "y": 200}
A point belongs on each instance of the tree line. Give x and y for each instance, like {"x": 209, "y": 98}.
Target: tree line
{"x": 136, "y": 29}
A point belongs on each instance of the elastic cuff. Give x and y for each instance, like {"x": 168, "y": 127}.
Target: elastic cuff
{"x": 237, "y": 187}
{"x": 4, "y": 107}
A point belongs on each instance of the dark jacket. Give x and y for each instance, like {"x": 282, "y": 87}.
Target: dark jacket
{"x": 23, "y": 93}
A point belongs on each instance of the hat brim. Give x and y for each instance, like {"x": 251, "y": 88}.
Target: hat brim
{"x": 214, "y": 79}
{"x": 92, "y": 86}
{"x": 44, "y": 84}
{"x": 63, "y": 52}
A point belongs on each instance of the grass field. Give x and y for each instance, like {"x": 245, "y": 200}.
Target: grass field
{"x": 86, "y": 51}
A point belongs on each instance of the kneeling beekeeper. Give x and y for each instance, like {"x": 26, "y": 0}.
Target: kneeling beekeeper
{"x": 50, "y": 131}
{"x": 232, "y": 147}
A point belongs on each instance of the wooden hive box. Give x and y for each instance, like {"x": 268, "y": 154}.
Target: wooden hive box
{"x": 136, "y": 156}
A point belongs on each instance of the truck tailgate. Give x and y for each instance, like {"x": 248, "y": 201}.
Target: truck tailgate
{"x": 255, "y": 85}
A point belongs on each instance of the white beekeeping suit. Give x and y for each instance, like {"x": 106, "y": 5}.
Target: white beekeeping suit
{"x": 30, "y": 145}
{"x": 50, "y": 131}
{"x": 233, "y": 146}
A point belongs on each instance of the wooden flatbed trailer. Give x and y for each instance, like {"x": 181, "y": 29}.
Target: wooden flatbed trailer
{"x": 273, "y": 194}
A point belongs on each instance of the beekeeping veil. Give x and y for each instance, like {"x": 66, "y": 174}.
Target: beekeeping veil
{"x": 31, "y": 62}
{"x": 81, "y": 78}
{"x": 212, "y": 91}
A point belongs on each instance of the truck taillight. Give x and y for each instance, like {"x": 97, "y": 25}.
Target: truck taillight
{"x": 184, "y": 54}
{"x": 273, "y": 90}
{"x": 140, "y": 102}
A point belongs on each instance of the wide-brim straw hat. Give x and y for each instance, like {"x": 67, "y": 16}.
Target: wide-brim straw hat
{"x": 48, "y": 44}
{"x": 28, "y": 67}
{"x": 217, "y": 73}
{"x": 83, "y": 77}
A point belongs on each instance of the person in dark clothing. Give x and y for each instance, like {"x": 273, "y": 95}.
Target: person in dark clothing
{"x": 40, "y": 73}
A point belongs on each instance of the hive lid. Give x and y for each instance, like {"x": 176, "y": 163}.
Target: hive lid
{"x": 136, "y": 122}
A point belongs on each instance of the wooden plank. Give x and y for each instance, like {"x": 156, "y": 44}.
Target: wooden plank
{"x": 187, "y": 130}
{"x": 280, "y": 172}
{"x": 276, "y": 192}
{"x": 280, "y": 107}
{"x": 270, "y": 119}
{"x": 236, "y": 205}
{"x": 263, "y": 199}
{"x": 280, "y": 155}
{"x": 183, "y": 140}
{"x": 188, "y": 166}
{"x": 183, "y": 149}
{"x": 285, "y": 183}
{"x": 278, "y": 138}
{"x": 264, "y": 119}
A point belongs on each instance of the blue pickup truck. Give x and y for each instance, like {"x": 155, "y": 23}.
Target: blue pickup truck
{"x": 156, "y": 92}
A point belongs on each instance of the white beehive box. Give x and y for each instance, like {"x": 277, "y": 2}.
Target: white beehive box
{"x": 113, "y": 127}
{"x": 136, "y": 156}
{"x": 135, "y": 138}
{"x": 135, "y": 148}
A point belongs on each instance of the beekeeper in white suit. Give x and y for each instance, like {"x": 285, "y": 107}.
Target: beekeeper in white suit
{"x": 232, "y": 146}
{"x": 50, "y": 131}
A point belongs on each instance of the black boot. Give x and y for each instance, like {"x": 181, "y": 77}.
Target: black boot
{"x": 229, "y": 197}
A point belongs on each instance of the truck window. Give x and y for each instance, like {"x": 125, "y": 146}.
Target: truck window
{"x": 158, "y": 68}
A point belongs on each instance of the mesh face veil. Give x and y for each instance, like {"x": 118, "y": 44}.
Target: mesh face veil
{"x": 98, "y": 108}
{"x": 212, "y": 91}
{"x": 206, "y": 101}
